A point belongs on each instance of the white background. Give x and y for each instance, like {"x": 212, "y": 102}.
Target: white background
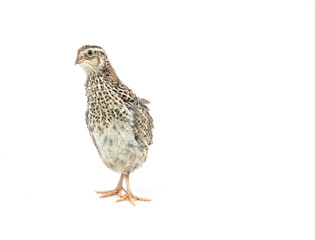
{"x": 232, "y": 91}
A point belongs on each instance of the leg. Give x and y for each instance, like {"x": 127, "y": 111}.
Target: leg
{"x": 129, "y": 196}
{"x": 116, "y": 191}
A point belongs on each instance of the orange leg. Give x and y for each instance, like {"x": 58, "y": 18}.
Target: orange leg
{"x": 116, "y": 191}
{"x": 129, "y": 196}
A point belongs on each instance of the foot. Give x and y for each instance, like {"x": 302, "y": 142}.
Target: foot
{"x": 132, "y": 198}
{"x": 109, "y": 193}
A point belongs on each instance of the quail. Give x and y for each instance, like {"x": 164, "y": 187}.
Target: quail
{"x": 118, "y": 121}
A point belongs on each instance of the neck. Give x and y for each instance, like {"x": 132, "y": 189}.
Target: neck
{"x": 98, "y": 81}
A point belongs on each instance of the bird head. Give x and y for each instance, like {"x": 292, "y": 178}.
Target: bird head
{"x": 91, "y": 58}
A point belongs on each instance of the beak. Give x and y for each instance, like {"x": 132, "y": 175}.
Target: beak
{"x": 78, "y": 60}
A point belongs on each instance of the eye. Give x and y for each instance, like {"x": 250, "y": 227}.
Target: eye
{"x": 90, "y": 53}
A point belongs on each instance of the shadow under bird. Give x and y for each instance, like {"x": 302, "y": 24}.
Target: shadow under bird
{"x": 118, "y": 121}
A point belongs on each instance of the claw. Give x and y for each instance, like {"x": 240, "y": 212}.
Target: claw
{"x": 116, "y": 191}
{"x": 109, "y": 193}
{"x": 131, "y": 198}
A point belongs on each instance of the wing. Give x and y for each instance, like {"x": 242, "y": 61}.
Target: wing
{"x": 143, "y": 123}
{"x": 142, "y": 120}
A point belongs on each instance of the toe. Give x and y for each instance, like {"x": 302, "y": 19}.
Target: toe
{"x": 131, "y": 200}
{"x": 122, "y": 198}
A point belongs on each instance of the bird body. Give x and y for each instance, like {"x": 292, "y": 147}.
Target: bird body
{"x": 118, "y": 121}
{"x": 112, "y": 125}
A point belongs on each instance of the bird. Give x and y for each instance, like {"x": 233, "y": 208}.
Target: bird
{"x": 118, "y": 121}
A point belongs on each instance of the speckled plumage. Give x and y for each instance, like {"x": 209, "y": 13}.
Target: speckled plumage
{"x": 118, "y": 121}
